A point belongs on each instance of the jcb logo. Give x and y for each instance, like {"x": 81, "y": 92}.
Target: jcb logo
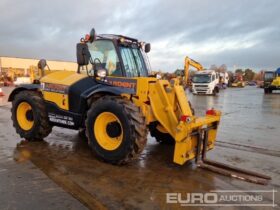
{"x": 124, "y": 84}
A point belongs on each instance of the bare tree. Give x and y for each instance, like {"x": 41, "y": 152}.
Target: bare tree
{"x": 222, "y": 68}
{"x": 213, "y": 67}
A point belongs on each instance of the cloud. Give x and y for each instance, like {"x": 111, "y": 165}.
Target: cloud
{"x": 243, "y": 33}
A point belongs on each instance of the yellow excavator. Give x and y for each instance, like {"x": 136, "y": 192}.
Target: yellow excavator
{"x": 117, "y": 106}
{"x": 190, "y": 62}
{"x": 183, "y": 75}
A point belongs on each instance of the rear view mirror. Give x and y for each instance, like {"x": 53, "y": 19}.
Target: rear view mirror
{"x": 92, "y": 35}
{"x": 83, "y": 55}
{"x": 147, "y": 47}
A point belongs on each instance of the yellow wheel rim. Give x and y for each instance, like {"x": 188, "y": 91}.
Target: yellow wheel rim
{"x": 25, "y": 116}
{"x": 100, "y": 127}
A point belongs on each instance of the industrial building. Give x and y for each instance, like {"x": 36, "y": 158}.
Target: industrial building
{"x": 23, "y": 64}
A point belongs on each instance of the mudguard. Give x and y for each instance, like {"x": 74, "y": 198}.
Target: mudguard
{"x": 104, "y": 89}
{"x": 108, "y": 89}
{"x": 21, "y": 88}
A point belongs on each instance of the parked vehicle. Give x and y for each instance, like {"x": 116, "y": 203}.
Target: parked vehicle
{"x": 271, "y": 81}
{"x": 238, "y": 81}
{"x": 224, "y": 79}
{"x": 205, "y": 82}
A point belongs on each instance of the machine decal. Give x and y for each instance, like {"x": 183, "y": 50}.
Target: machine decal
{"x": 124, "y": 83}
{"x": 56, "y": 88}
{"x": 65, "y": 120}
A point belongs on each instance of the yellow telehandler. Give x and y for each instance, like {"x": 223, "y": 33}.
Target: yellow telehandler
{"x": 117, "y": 103}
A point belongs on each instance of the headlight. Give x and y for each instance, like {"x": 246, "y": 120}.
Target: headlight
{"x": 101, "y": 73}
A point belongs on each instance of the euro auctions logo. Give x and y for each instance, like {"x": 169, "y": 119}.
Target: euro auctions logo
{"x": 192, "y": 198}
{"x": 263, "y": 198}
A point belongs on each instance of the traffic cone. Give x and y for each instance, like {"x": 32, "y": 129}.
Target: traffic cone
{"x": 1, "y": 92}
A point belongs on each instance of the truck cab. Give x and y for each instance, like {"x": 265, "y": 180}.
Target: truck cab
{"x": 205, "y": 82}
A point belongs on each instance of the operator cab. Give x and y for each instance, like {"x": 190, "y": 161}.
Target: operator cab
{"x": 113, "y": 55}
{"x": 269, "y": 76}
{"x": 205, "y": 76}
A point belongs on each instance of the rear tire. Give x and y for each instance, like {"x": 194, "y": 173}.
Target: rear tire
{"x": 29, "y": 116}
{"x": 267, "y": 90}
{"x": 162, "y": 138}
{"x": 116, "y": 129}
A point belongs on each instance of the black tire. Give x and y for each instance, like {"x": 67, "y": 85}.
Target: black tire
{"x": 162, "y": 138}
{"x": 133, "y": 126}
{"x": 267, "y": 90}
{"x": 215, "y": 91}
{"x": 41, "y": 127}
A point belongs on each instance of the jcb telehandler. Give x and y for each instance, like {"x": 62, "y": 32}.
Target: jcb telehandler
{"x": 116, "y": 102}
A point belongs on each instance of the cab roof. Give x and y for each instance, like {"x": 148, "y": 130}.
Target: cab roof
{"x": 205, "y": 72}
{"x": 117, "y": 37}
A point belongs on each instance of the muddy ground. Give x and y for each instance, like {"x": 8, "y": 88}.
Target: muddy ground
{"x": 62, "y": 172}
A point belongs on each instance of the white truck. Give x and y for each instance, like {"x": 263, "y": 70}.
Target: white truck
{"x": 224, "y": 79}
{"x": 205, "y": 82}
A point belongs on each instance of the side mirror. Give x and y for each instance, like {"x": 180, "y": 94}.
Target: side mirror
{"x": 147, "y": 47}
{"x": 83, "y": 54}
{"x": 92, "y": 35}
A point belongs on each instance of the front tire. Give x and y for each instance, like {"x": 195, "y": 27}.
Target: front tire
{"x": 215, "y": 91}
{"x": 116, "y": 129}
{"x": 29, "y": 116}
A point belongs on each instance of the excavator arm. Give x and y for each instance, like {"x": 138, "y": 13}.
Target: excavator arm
{"x": 190, "y": 62}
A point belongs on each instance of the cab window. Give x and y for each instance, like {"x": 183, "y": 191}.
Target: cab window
{"x": 134, "y": 64}
{"x": 104, "y": 50}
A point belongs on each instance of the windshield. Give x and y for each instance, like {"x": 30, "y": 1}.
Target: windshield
{"x": 105, "y": 52}
{"x": 201, "y": 78}
{"x": 133, "y": 61}
{"x": 269, "y": 76}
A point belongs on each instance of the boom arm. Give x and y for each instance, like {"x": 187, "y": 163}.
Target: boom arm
{"x": 190, "y": 62}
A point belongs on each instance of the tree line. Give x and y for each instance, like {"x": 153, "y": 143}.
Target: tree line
{"x": 248, "y": 74}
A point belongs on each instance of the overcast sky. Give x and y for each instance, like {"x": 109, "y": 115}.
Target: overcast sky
{"x": 240, "y": 33}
